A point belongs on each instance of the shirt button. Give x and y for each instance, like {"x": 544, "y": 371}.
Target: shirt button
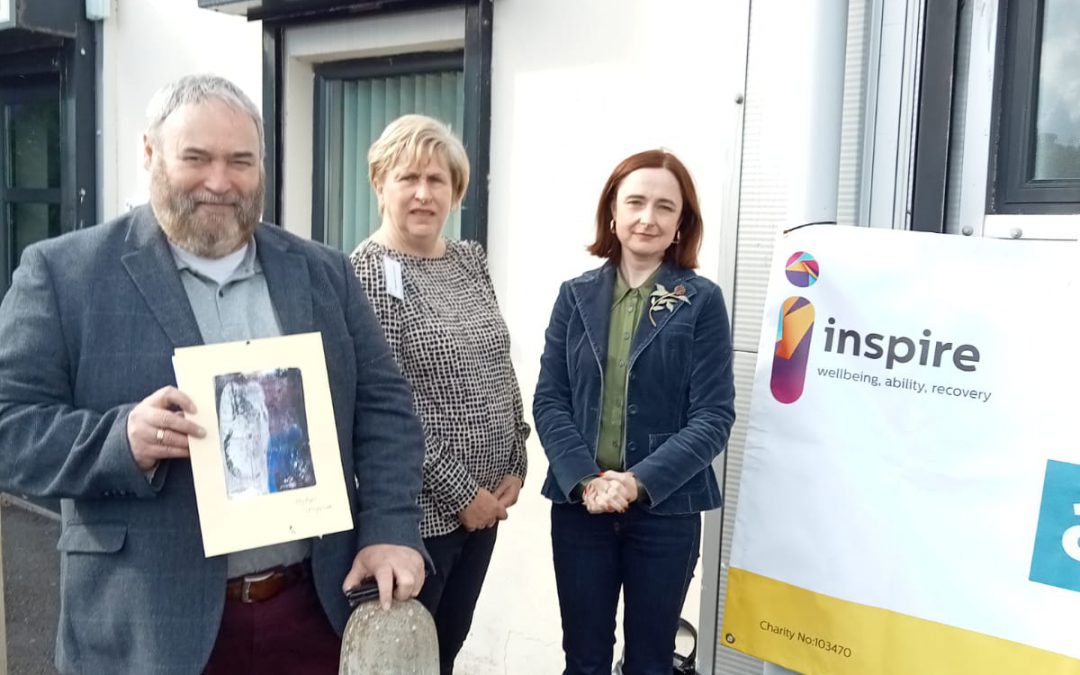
{"x": 630, "y": 308}
{"x": 614, "y": 444}
{"x": 626, "y": 335}
{"x": 622, "y": 363}
{"x": 221, "y": 294}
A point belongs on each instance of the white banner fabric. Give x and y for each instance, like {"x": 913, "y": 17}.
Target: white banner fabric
{"x": 911, "y": 470}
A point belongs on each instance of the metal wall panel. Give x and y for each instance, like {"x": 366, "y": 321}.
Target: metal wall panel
{"x": 853, "y": 128}
{"x": 729, "y": 661}
{"x": 762, "y": 209}
{"x": 763, "y": 201}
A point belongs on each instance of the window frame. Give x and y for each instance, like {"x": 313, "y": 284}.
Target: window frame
{"x": 479, "y": 16}
{"x": 30, "y": 89}
{"x": 1013, "y": 189}
{"x": 384, "y": 66}
{"x": 66, "y": 61}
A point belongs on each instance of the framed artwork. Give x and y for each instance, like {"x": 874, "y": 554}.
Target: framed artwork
{"x": 269, "y": 468}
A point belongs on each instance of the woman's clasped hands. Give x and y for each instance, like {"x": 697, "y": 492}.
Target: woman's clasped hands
{"x": 610, "y": 492}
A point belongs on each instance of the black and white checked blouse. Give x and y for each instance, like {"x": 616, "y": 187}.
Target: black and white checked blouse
{"x": 453, "y": 346}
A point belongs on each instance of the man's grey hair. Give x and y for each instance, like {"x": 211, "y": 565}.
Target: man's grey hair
{"x": 195, "y": 89}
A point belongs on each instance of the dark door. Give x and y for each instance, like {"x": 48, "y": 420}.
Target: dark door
{"x": 30, "y": 166}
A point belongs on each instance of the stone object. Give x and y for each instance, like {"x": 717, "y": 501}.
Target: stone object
{"x": 397, "y": 641}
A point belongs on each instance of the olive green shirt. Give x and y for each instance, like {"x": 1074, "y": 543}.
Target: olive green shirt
{"x": 627, "y": 306}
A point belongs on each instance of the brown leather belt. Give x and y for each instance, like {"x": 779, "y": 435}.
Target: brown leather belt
{"x": 262, "y": 586}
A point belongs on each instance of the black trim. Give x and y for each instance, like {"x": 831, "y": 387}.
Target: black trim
{"x": 318, "y": 161}
{"x": 15, "y": 195}
{"x": 938, "y": 70}
{"x": 272, "y": 128}
{"x": 14, "y": 42}
{"x": 59, "y": 18}
{"x": 479, "y": 15}
{"x": 1012, "y": 162}
{"x": 37, "y": 61}
{"x": 312, "y": 11}
{"x": 390, "y": 66}
{"x": 78, "y": 78}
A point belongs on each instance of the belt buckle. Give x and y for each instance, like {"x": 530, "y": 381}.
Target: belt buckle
{"x": 249, "y": 579}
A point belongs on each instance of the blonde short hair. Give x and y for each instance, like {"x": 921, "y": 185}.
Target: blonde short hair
{"x": 416, "y": 138}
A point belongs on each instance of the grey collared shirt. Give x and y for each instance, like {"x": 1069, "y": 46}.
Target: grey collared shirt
{"x": 237, "y": 308}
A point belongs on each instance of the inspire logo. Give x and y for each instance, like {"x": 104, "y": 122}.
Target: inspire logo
{"x": 794, "y": 330}
{"x": 802, "y": 269}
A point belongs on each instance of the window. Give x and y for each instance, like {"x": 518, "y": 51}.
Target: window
{"x": 354, "y": 101}
{"x": 1037, "y": 163}
{"x": 48, "y": 125}
{"x": 29, "y": 166}
{"x": 335, "y": 47}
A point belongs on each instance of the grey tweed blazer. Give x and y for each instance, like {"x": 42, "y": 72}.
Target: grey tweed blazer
{"x": 88, "y": 329}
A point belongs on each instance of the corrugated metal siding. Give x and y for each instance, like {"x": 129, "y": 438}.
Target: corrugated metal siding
{"x": 762, "y": 209}
{"x": 853, "y": 129}
{"x": 729, "y": 661}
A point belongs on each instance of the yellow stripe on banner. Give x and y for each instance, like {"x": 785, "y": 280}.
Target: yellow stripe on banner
{"x": 817, "y": 634}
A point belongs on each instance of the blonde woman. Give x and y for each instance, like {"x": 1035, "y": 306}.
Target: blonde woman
{"x": 438, "y": 308}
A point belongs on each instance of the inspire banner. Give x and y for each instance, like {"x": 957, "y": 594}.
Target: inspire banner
{"x": 910, "y": 496}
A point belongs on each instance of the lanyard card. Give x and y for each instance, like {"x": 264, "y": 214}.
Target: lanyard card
{"x": 392, "y": 271}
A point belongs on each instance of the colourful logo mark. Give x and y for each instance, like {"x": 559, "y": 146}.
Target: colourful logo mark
{"x": 802, "y": 269}
{"x": 1056, "y": 559}
{"x": 794, "y": 329}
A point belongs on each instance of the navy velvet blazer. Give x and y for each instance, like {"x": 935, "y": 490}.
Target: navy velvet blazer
{"x": 88, "y": 329}
{"x": 680, "y": 395}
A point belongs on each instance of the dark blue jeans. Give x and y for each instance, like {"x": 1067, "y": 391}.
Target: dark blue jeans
{"x": 650, "y": 558}
{"x": 461, "y": 562}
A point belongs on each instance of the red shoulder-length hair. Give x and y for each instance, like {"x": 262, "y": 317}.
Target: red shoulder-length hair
{"x": 682, "y": 253}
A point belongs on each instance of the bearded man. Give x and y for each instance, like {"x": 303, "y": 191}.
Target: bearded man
{"x": 89, "y": 412}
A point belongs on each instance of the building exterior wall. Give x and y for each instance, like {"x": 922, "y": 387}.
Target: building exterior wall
{"x": 144, "y": 44}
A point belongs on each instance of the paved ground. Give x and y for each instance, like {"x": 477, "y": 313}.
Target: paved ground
{"x": 31, "y": 595}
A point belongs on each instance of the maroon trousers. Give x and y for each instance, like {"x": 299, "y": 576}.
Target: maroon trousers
{"x": 288, "y": 634}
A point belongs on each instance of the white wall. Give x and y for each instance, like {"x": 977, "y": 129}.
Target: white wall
{"x": 576, "y": 87}
{"x": 147, "y": 43}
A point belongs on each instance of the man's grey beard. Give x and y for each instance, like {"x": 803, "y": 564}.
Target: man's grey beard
{"x": 206, "y": 235}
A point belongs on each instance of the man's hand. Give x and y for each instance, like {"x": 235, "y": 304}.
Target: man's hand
{"x": 398, "y": 571}
{"x": 157, "y": 428}
{"x": 483, "y": 511}
{"x": 508, "y": 490}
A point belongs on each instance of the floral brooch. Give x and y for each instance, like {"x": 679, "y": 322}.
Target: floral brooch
{"x": 662, "y": 298}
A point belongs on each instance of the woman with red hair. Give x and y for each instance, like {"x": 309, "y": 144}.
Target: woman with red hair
{"x": 634, "y": 402}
